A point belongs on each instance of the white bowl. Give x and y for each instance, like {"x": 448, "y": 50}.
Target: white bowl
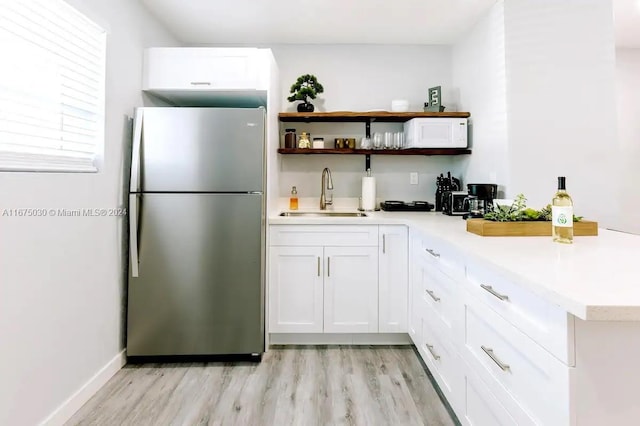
{"x": 400, "y": 105}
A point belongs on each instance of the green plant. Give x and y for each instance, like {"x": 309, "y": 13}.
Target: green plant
{"x": 514, "y": 212}
{"x": 306, "y": 87}
{"x": 518, "y": 211}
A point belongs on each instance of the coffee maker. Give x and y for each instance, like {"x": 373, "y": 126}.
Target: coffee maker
{"x": 480, "y": 198}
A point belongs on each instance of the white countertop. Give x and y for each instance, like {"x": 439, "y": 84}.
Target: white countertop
{"x": 596, "y": 278}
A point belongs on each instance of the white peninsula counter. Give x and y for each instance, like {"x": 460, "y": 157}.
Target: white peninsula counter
{"x": 515, "y": 330}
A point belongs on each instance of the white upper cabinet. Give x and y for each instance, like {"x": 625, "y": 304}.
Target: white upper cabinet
{"x": 393, "y": 249}
{"x": 197, "y": 75}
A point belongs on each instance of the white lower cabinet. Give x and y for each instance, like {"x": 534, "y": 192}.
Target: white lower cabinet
{"x": 319, "y": 283}
{"x": 531, "y": 383}
{"x": 442, "y": 358}
{"x": 296, "y": 290}
{"x": 393, "y": 270}
{"x": 351, "y": 290}
{"x": 481, "y": 407}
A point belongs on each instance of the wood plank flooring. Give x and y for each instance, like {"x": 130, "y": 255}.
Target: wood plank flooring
{"x": 293, "y": 385}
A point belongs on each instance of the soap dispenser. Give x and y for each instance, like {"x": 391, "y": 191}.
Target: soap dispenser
{"x": 293, "y": 200}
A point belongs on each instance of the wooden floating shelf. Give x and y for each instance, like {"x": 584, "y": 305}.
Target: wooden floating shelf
{"x": 487, "y": 228}
{"x": 410, "y": 151}
{"x": 351, "y": 116}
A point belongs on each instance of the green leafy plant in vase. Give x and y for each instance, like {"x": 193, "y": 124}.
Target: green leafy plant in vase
{"x": 304, "y": 89}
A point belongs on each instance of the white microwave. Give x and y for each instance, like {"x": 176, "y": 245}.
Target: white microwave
{"x": 435, "y": 132}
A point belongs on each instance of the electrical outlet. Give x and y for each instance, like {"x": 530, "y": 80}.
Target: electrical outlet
{"x": 413, "y": 178}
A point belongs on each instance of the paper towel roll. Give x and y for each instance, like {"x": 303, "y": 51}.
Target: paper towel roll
{"x": 369, "y": 193}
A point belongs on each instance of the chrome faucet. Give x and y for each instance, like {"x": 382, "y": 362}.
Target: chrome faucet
{"x": 329, "y": 185}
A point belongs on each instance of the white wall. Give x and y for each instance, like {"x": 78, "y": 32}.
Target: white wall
{"x": 628, "y": 91}
{"x": 62, "y": 279}
{"x": 479, "y": 82}
{"x": 361, "y": 78}
{"x": 561, "y": 103}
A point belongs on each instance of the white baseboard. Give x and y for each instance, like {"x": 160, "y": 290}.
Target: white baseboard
{"x": 339, "y": 339}
{"x": 68, "y": 408}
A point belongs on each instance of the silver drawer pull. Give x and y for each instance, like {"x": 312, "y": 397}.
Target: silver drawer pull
{"x": 489, "y": 352}
{"x": 432, "y": 253}
{"x": 433, "y": 354}
{"x": 201, "y": 83}
{"x": 433, "y": 296}
{"x": 495, "y": 293}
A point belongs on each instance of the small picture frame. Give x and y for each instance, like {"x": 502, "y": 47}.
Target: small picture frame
{"x": 434, "y": 103}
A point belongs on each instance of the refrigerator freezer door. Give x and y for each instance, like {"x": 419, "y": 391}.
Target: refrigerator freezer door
{"x": 199, "y": 288}
{"x": 201, "y": 150}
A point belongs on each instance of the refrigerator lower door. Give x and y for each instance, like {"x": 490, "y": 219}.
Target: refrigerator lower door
{"x": 199, "y": 287}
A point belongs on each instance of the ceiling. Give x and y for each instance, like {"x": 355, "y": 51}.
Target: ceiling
{"x": 318, "y": 21}
{"x": 342, "y": 21}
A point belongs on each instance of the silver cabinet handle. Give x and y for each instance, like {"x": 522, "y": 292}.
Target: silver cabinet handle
{"x": 432, "y": 253}
{"x": 489, "y": 352}
{"x": 201, "y": 83}
{"x": 318, "y": 265}
{"x": 495, "y": 293}
{"x": 433, "y": 296}
{"x": 133, "y": 234}
{"x": 432, "y": 352}
{"x": 134, "y": 185}
{"x": 328, "y": 266}
{"x": 384, "y": 243}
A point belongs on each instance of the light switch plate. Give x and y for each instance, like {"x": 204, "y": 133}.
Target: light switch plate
{"x": 413, "y": 178}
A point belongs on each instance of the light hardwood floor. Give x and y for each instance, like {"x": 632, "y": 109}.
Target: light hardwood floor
{"x": 315, "y": 385}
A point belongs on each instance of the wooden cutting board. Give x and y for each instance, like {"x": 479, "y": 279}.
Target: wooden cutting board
{"x": 487, "y": 228}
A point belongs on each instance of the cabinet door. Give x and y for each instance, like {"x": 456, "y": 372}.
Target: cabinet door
{"x": 351, "y": 290}
{"x": 414, "y": 316}
{"x": 393, "y": 279}
{"x": 201, "y": 68}
{"x": 295, "y": 290}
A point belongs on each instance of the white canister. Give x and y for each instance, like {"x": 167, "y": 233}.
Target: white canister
{"x": 318, "y": 143}
{"x": 399, "y": 105}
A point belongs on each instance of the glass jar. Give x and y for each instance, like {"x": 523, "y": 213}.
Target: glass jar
{"x": 304, "y": 141}
{"x": 290, "y": 138}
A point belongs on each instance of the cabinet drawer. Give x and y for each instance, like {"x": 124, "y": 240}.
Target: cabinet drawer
{"x": 523, "y": 375}
{"x": 547, "y": 324}
{"x": 440, "y": 254}
{"x": 481, "y": 406}
{"x": 323, "y": 235}
{"x": 441, "y": 358}
{"x": 439, "y": 293}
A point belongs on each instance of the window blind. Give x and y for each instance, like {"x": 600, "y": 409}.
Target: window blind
{"x": 52, "y": 81}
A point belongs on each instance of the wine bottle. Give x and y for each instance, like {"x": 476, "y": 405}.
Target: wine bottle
{"x": 562, "y": 214}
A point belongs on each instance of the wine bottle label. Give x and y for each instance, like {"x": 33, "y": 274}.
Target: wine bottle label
{"x": 562, "y": 216}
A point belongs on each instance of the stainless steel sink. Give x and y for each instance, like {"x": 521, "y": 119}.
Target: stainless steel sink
{"x": 323, "y": 214}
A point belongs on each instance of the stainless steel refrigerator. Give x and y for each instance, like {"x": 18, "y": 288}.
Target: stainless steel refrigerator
{"x": 196, "y": 232}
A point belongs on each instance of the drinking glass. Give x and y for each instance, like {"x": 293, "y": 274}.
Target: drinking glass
{"x": 388, "y": 140}
{"x": 365, "y": 143}
{"x": 398, "y": 140}
{"x": 377, "y": 140}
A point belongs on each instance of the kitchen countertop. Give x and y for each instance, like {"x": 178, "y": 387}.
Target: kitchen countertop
{"x": 596, "y": 278}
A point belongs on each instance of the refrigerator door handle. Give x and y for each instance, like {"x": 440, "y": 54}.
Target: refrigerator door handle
{"x": 133, "y": 234}
{"x": 135, "y": 153}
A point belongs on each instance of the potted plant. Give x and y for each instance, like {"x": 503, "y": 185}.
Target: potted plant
{"x": 304, "y": 89}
